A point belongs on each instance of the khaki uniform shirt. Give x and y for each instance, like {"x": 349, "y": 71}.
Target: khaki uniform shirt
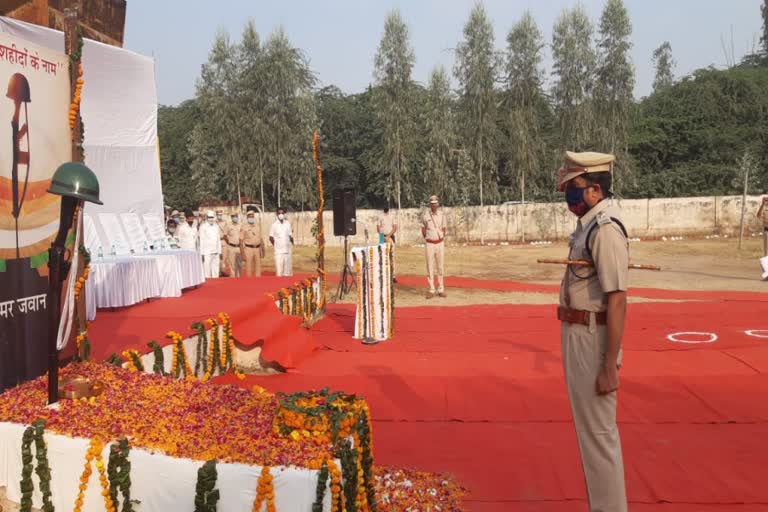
{"x": 222, "y": 228}
{"x": 435, "y": 225}
{"x": 585, "y": 288}
{"x": 387, "y": 224}
{"x": 765, "y": 217}
{"x": 232, "y": 234}
{"x": 251, "y": 234}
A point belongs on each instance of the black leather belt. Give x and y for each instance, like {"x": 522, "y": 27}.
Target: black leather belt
{"x": 232, "y": 245}
{"x": 253, "y": 246}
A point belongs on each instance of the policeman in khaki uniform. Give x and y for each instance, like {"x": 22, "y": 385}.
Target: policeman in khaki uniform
{"x": 592, "y": 311}
{"x": 251, "y": 245}
{"x": 433, "y": 231}
{"x": 224, "y": 247}
{"x": 232, "y": 240}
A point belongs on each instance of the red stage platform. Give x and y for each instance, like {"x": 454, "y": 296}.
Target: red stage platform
{"x": 478, "y": 391}
{"x": 255, "y": 320}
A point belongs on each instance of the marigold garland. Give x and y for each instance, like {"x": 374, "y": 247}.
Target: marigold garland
{"x": 74, "y": 107}
{"x": 180, "y": 361}
{"x": 83, "y": 345}
{"x": 372, "y": 292}
{"x": 337, "y": 496}
{"x": 94, "y": 453}
{"x": 80, "y": 284}
{"x": 133, "y": 360}
{"x": 320, "y": 224}
{"x": 265, "y": 490}
{"x": 360, "y": 303}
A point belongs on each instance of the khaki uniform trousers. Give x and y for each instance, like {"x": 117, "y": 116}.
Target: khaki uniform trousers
{"x": 233, "y": 260}
{"x": 252, "y": 262}
{"x": 594, "y": 417}
{"x": 435, "y": 264}
{"x": 224, "y": 256}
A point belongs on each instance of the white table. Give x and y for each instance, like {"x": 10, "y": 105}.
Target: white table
{"x": 178, "y": 270}
{"x": 126, "y": 280}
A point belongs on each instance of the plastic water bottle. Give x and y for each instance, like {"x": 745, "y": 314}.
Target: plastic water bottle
{"x": 100, "y": 252}
{"x": 113, "y": 251}
{"x": 145, "y": 247}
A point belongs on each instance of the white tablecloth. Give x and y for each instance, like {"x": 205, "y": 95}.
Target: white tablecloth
{"x": 159, "y": 482}
{"x": 120, "y": 281}
{"x": 124, "y": 281}
{"x": 178, "y": 270}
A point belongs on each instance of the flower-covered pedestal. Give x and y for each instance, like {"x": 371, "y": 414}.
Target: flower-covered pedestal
{"x": 375, "y": 292}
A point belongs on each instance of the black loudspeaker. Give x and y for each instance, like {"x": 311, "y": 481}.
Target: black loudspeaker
{"x": 344, "y": 223}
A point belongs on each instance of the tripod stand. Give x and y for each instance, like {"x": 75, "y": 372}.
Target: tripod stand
{"x": 347, "y": 279}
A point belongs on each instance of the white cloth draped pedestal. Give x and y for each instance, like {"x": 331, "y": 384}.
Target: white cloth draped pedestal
{"x": 161, "y": 483}
{"x": 373, "y": 267}
{"x": 116, "y": 282}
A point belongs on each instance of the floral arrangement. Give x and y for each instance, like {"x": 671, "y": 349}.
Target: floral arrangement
{"x": 320, "y": 225}
{"x": 334, "y": 419}
{"x": 221, "y": 423}
{"x": 225, "y": 423}
{"x": 301, "y": 299}
{"x": 375, "y": 292}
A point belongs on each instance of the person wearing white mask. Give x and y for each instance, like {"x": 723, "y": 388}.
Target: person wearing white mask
{"x": 171, "y": 231}
{"x": 281, "y": 238}
{"x": 210, "y": 246}
{"x": 187, "y": 232}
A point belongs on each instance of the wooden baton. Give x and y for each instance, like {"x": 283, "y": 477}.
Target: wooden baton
{"x": 583, "y": 263}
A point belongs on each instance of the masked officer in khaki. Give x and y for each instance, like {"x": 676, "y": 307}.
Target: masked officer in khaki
{"x": 251, "y": 245}
{"x": 433, "y": 231}
{"x": 592, "y": 309}
{"x": 232, "y": 239}
{"x": 224, "y": 247}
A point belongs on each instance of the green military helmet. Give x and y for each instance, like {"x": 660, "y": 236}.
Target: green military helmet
{"x": 74, "y": 179}
{"x": 18, "y": 88}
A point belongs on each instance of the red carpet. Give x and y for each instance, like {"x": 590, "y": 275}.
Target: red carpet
{"x": 255, "y": 320}
{"x": 478, "y": 392}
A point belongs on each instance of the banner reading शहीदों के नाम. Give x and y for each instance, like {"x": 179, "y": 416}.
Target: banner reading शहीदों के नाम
{"x": 34, "y": 140}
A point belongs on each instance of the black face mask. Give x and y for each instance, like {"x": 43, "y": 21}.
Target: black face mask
{"x": 574, "y": 197}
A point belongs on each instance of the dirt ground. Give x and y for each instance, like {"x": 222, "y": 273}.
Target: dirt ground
{"x": 715, "y": 264}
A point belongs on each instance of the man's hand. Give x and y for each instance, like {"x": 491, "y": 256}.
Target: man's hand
{"x": 608, "y": 380}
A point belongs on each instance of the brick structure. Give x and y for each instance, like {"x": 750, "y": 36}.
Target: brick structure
{"x": 100, "y": 20}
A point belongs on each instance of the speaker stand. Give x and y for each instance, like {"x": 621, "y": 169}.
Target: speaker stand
{"x": 347, "y": 279}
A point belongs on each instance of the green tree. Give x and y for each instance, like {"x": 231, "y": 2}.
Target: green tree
{"x": 573, "y": 71}
{"x": 524, "y": 99}
{"x": 287, "y": 87}
{"x": 174, "y": 128}
{"x": 394, "y": 106}
{"x": 216, "y": 163}
{"x": 475, "y": 72}
{"x": 439, "y": 161}
{"x": 664, "y": 65}
{"x": 615, "y": 82}
{"x": 250, "y": 101}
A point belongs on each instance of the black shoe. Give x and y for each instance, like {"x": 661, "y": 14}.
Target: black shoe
{"x": 394, "y": 279}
